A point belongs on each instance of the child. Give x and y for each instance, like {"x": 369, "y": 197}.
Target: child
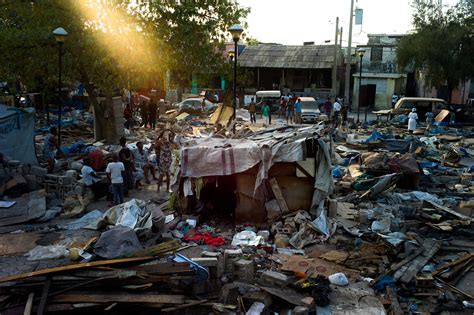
{"x": 266, "y": 114}
{"x": 114, "y": 172}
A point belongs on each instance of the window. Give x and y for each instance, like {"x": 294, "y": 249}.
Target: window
{"x": 376, "y": 54}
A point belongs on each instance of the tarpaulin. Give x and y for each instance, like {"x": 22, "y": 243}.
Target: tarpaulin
{"x": 18, "y": 124}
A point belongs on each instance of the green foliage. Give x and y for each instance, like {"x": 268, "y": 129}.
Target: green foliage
{"x": 114, "y": 43}
{"x": 442, "y": 43}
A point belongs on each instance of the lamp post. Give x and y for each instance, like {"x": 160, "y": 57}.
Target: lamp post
{"x": 360, "y": 52}
{"x": 60, "y": 36}
{"x": 236, "y": 30}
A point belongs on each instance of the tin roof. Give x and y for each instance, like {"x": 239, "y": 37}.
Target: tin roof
{"x": 290, "y": 57}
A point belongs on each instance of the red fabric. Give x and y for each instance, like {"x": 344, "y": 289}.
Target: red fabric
{"x": 97, "y": 160}
{"x": 206, "y": 238}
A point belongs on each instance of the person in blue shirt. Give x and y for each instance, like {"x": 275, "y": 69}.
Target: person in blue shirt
{"x": 298, "y": 106}
{"x": 429, "y": 120}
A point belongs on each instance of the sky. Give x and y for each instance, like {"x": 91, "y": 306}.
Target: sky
{"x": 293, "y": 22}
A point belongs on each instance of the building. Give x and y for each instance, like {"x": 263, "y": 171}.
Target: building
{"x": 381, "y": 77}
{"x": 306, "y": 69}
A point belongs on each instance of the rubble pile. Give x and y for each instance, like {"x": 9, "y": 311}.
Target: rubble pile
{"x": 298, "y": 218}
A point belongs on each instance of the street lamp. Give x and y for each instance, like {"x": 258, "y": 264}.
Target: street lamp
{"x": 360, "y": 52}
{"x": 235, "y": 30}
{"x": 60, "y": 36}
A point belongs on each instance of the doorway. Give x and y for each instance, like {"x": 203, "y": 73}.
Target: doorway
{"x": 367, "y": 95}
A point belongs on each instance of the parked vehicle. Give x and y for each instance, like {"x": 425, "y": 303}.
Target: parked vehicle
{"x": 272, "y": 96}
{"x": 422, "y": 105}
{"x": 309, "y": 109}
{"x": 194, "y": 105}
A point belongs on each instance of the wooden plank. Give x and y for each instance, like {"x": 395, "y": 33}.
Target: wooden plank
{"x": 93, "y": 264}
{"x": 44, "y": 297}
{"x": 279, "y": 196}
{"x": 409, "y": 271}
{"x": 442, "y": 115}
{"x": 451, "y": 212}
{"x": 397, "y": 310}
{"x": 180, "y": 307}
{"x": 119, "y": 298}
{"x": 453, "y": 263}
{"x": 29, "y": 304}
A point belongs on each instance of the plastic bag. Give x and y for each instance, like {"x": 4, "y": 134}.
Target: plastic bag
{"x": 338, "y": 279}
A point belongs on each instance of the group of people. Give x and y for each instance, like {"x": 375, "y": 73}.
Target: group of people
{"x": 129, "y": 167}
{"x": 289, "y": 107}
{"x": 338, "y": 111}
{"x": 149, "y": 112}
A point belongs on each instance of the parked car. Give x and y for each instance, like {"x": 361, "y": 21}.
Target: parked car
{"x": 194, "y": 106}
{"x": 309, "y": 109}
{"x": 422, "y": 105}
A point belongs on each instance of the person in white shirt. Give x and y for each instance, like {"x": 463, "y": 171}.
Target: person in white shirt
{"x": 337, "y": 110}
{"x": 412, "y": 117}
{"x": 114, "y": 171}
{"x": 92, "y": 180}
{"x": 140, "y": 156}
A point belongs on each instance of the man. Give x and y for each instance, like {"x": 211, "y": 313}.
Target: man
{"x": 140, "y": 156}
{"x": 114, "y": 172}
{"x": 298, "y": 108}
{"x": 266, "y": 113}
{"x": 289, "y": 112}
{"x": 429, "y": 120}
{"x": 49, "y": 148}
{"x": 252, "y": 111}
{"x": 394, "y": 100}
{"x": 282, "y": 107}
{"x": 126, "y": 157}
{"x": 152, "y": 109}
{"x": 337, "y": 110}
{"x": 144, "y": 113}
{"x": 327, "y": 107}
{"x": 92, "y": 180}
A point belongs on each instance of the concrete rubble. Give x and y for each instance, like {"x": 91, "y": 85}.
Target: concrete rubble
{"x": 293, "y": 219}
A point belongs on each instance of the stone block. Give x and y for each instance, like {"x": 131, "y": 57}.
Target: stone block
{"x": 31, "y": 182}
{"x": 275, "y": 278}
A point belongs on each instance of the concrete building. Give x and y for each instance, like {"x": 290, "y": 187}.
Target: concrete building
{"x": 381, "y": 77}
{"x": 306, "y": 69}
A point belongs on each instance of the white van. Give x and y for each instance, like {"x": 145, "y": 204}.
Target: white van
{"x": 273, "y": 96}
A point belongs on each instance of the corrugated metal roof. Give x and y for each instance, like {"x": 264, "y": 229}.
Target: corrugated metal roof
{"x": 290, "y": 57}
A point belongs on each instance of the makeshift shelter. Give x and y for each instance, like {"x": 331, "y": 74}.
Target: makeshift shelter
{"x": 17, "y": 132}
{"x": 280, "y": 170}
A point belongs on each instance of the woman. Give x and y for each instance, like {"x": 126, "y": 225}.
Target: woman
{"x": 164, "y": 147}
{"x": 412, "y": 117}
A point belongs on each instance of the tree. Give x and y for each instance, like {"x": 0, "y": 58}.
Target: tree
{"x": 112, "y": 43}
{"x": 442, "y": 43}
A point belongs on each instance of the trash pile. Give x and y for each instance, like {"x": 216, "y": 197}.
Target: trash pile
{"x": 298, "y": 218}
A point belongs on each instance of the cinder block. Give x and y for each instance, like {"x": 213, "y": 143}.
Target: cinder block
{"x": 275, "y": 278}
{"x": 39, "y": 171}
{"x": 244, "y": 270}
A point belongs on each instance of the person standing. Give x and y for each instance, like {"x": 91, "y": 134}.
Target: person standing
{"x": 429, "y": 120}
{"x": 344, "y": 111}
{"x": 114, "y": 171}
{"x": 144, "y": 113}
{"x": 266, "y": 114}
{"x": 298, "y": 109}
{"x": 281, "y": 112}
{"x": 394, "y": 100}
{"x": 49, "y": 148}
{"x": 327, "y": 107}
{"x": 152, "y": 109}
{"x": 337, "y": 110}
{"x": 126, "y": 157}
{"x": 289, "y": 112}
{"x": 252, "y": 111}
{"x": 412, "y": 117}
{"x": 164, "y": 152}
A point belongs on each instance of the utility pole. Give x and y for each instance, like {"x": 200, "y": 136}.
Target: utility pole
{"x": 340, "y": 37}
{"x": 334, "y": 65}
{"x": 347, "y": 82}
